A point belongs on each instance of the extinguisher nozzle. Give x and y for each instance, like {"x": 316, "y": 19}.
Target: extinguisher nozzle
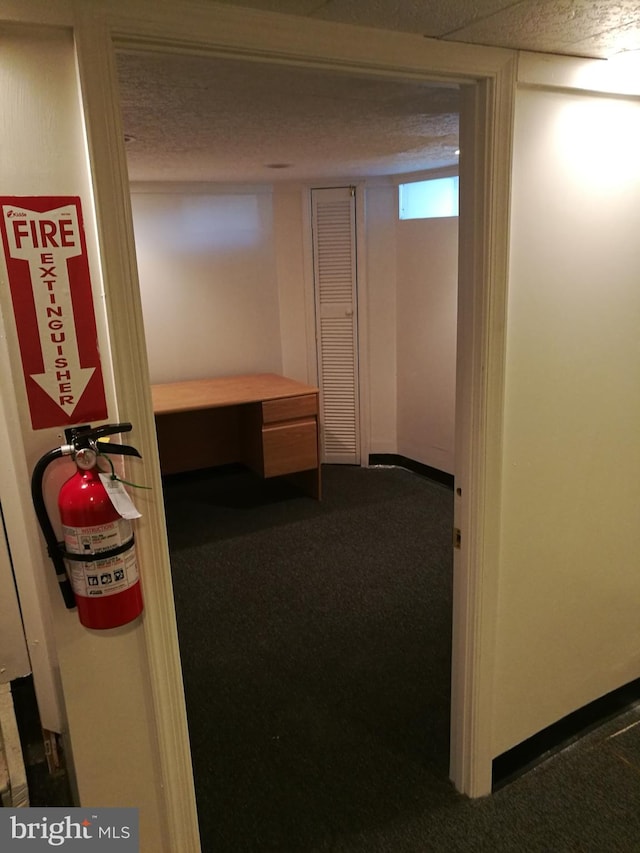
{"x": 53, "y": 546}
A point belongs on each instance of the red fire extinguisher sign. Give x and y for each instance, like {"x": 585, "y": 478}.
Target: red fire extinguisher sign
{"x": 48, "y": 269}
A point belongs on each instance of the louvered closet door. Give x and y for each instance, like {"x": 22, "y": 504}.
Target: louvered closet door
{"x": 334, "y": 259}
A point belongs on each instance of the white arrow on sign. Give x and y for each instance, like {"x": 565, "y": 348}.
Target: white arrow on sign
{"x": 47, "y": 241}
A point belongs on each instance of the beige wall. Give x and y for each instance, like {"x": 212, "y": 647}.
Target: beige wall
{"x": 206, "y": 262}
{"x": 568, "y": 628}
{"x": 427, "y": 287}
{"x": 381, "y": 278}
{"x": 295, "y": 297}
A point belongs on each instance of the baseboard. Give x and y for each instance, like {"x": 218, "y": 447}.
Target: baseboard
{"x": 411, "y": 465}
{"x": 559, "y": 735}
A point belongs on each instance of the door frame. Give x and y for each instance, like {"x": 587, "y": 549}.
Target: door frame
{"x": 487, "y": 76}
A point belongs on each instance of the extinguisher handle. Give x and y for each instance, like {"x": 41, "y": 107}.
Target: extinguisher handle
{"x": 122, "y": 449}
{"x": 89, "y": 437}
{"x": 82, "y": 436}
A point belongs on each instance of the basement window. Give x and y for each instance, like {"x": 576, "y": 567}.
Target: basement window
{"x": 431, "y": 199}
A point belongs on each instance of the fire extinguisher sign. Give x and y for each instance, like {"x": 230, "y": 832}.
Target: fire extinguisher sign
{"x": 46, "y": 259}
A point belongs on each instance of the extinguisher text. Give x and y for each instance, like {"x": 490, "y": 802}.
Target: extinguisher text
{"x": 56, "y": 321}
{"x": 40, "y": 233}
{"x": 51, "y": 243}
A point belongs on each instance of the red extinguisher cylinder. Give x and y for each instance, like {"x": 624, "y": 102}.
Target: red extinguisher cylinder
{"x": 107, "y": 590}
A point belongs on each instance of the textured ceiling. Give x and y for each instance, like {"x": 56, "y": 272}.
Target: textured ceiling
{"x": 592, "y": 28}
{"x": 200, "y": 119}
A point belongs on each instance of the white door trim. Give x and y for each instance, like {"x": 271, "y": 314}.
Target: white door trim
{"x": 362, "y": 330}
{"x": 255, "y": 35}
{"x": 485, "y": 163}
{"x": 99, "y": 86}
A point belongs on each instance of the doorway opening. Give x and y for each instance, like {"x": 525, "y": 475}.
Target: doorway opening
{"x": 209, "y": 237}
{"x": 237, "y": 245}
{"x": 487, "y": 95}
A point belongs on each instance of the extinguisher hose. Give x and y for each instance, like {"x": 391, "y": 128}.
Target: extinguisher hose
{"x": 54, "y": 548}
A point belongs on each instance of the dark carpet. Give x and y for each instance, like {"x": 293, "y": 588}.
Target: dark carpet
{"x": 315, "y": 640}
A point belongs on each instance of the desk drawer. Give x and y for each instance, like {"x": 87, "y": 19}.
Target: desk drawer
{"x": 289, "y": 408}
{"x": 290, "y": 447}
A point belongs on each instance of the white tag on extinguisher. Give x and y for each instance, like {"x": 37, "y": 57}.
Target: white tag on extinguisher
{"x": 119, "y": 498}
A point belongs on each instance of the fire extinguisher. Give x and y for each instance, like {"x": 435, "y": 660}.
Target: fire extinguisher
{"x": 101, "y": 574}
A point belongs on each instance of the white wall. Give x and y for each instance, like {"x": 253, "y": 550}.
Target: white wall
{"x": 427, "y": 286}
{"x": 568, "y": 629}
{"x": 206, "y": 261}
{"x": 295, "y": 297}
{"x": 381, "y": 273}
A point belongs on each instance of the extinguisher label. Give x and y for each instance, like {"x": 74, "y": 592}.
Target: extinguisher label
{"x": 99, "y": 578}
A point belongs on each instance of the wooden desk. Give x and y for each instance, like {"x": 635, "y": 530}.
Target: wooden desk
{"x": 265, "y": 421}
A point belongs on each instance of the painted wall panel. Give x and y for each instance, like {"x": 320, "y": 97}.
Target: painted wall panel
{"x": 568, "y": 629}
{"x": 14, "y": 657}
{"x": 380, "y": 218}
{"x": 427, "y": 286}
{"x": 288, "y": 234}
{"x": 207, "y": 271}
